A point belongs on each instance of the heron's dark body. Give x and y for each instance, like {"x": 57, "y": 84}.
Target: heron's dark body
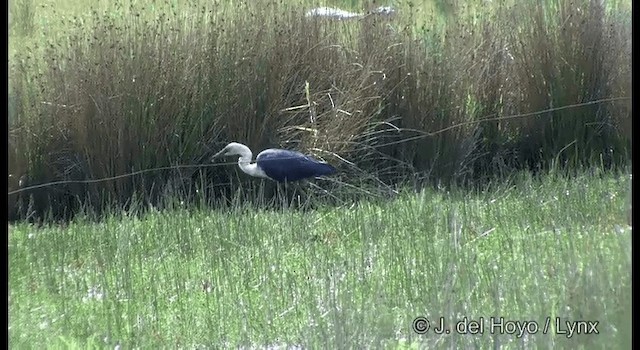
{"x": 284, "y": 165}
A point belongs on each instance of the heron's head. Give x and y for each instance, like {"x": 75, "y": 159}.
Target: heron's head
{"x": 232, "y": 149}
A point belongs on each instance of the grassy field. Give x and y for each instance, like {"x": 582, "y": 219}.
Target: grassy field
{"x": 100, "y": 89}
{"x": 349, "y": 277}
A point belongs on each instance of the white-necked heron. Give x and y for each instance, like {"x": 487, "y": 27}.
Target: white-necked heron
{"x": 336, "y": 13}
{"x": 277, "y": 164}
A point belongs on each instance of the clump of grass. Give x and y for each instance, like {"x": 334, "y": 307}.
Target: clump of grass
{"x": 22, "y": 18}
{"x": 570, "y": 54}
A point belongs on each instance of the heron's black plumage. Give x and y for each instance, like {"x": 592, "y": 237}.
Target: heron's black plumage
{"x": 284, "y": 165}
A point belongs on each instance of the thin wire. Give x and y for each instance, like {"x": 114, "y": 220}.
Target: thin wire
{"x": 531, "y": 113}
{"x": 423, "y": 135}
{"x": 114, "y": 177}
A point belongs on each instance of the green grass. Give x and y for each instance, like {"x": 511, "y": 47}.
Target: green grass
{"x": 350, "y": 277}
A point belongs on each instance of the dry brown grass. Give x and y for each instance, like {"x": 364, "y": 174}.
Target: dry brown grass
{"x": 137, "y": 90}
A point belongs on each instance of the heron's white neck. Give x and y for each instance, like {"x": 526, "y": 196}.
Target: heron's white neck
{"x": 244, "y": 162}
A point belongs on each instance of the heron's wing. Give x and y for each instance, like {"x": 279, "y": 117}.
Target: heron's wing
{"x": 290, "y": 165}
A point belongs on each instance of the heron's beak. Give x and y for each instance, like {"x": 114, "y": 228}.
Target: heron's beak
{"x": 221, "y": 153}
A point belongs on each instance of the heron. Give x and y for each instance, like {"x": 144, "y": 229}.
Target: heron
{"x": 331, "y": 12}
{"x": 276, "y": 164}
{"x": 336, "y": 13}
